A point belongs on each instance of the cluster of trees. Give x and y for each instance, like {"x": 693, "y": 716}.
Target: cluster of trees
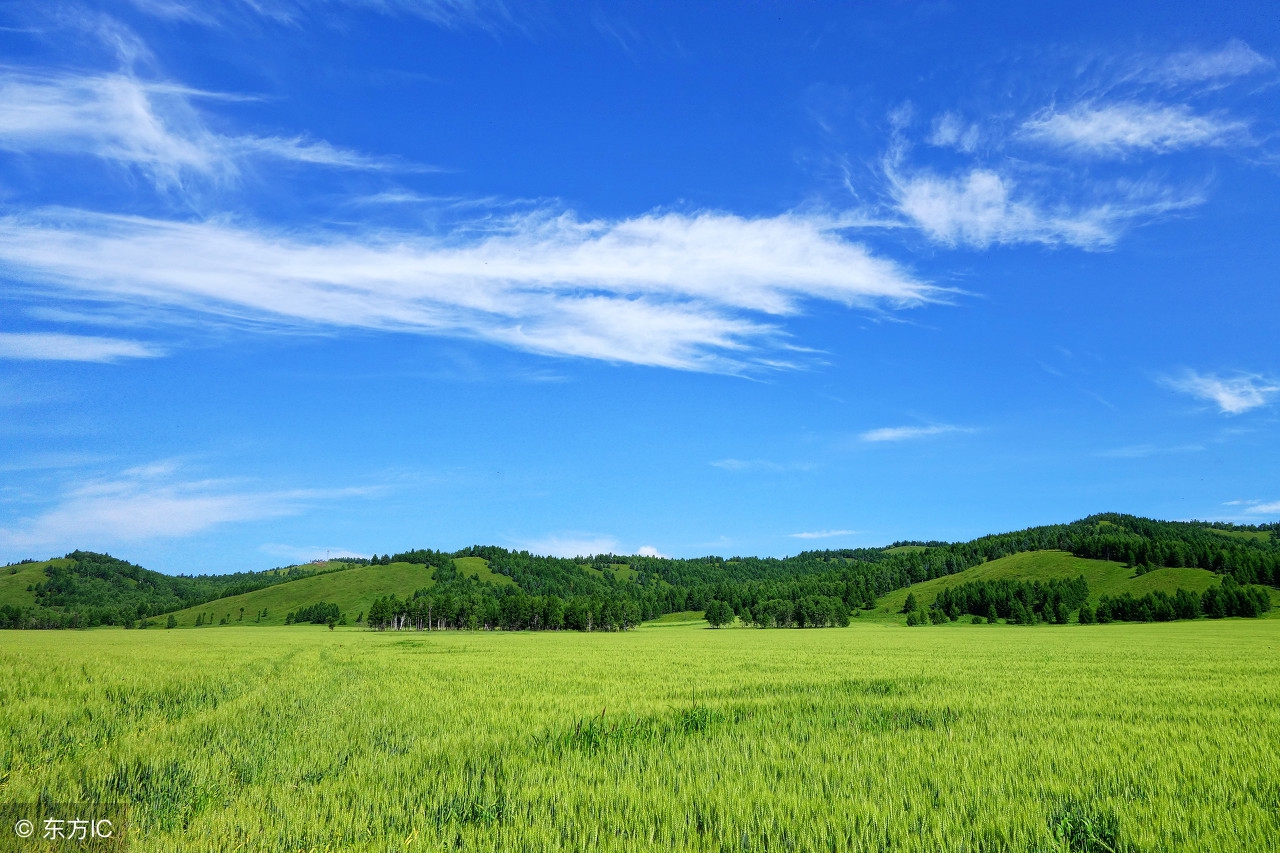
{"x": 466, "y": 604}
{"x": 1216, "y": 602}
{"x": 1019, "y": 602}
{"x": 321, "y": 613}
{"x": 810, "y": 611}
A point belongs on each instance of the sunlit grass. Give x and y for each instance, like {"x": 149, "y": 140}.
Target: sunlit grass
{"x": 873, "y": 737}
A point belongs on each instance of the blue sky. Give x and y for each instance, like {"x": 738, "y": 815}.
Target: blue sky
{"x": 281, "y": 278}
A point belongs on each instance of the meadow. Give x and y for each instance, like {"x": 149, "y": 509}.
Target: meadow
{"x": 1154, "y": 737}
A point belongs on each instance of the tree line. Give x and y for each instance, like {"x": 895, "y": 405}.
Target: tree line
{"x": 1216, "y": 602}
{"x": 94, "y": 589}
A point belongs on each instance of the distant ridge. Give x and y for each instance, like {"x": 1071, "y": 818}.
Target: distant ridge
{"x": 84, "y": 589}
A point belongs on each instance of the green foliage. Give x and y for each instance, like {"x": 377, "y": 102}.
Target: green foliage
{"x": 1229, "y": 599}
{"x": 718, "y": 613}
{"x": 1050, "y": 601}
{"x": 321, "y": 613}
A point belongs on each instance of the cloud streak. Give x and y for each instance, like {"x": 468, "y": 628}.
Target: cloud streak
{"x": 1113, "y": 130}
{"x": 1234, "y": 59}
{"x": 151, "y": 126}
{"x": 909, "y": 433}
{"x": 822, "y": 534}
{"x": 151, "y": 503}
{"x": 450, "y": 14}
{"x": 983, "y": 207}
{"x": 50, "y": 346}
{"x": 693, "y": 292}
{"x": 1232, "y": 395}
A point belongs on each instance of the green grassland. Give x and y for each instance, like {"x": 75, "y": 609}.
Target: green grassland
{"x": 353, "y": 590}
{"x": 681, "y": 618}
{"x": 1103, "y": 577}
{"x": 477, "y": 567}
{"x": 871, "y": 738}
{"x": 906, "y": 549}
{"x": 14, "y": 581}
{"x": 1253, "y": 535}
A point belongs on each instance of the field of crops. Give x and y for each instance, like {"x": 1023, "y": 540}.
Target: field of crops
{"x": 1155, "y": 737}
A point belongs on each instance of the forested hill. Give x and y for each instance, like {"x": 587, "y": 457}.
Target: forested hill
{"x": 85, "y": 589}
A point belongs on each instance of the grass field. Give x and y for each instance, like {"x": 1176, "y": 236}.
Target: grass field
{"x": 1161, "y": 737}
{"x": 14, "y": 581}
{"x": 1104, "y": 578}
{"x": 353, "y": 590}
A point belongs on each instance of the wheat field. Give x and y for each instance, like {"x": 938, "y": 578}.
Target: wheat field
{"x": 1155, "y": 737}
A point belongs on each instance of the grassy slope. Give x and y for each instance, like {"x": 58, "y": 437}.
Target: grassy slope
{"x": 1255, "y": 535}
{"x": 1104, "y": 578}
{"x": 905, "y": 549}
{"x": 353, "y": 590}
{"x": 13, "y": 584}
{"x": 479, "y": 567}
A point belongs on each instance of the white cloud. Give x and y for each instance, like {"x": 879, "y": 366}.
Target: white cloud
{"x": 747, "y": 465}
{"x": 1112, "y": 130}
{"x": 822, "y": 534}
{"x": 695, "y": 292}
{"x": 1234, "y": 59}
{"x": 1142, "y": 451}
{"x": 650, "y": 551}
{"x": 1232, "y": 395}
{"x": 444, "y": 13}
{"x": 952, "y": 131}
{"x": 1265, "y": 509}
{"x": 572, "y": 545}
{"x": 149, "y": 503}
{"x": 981, "y": 208}
{"x": 907, "y": 433}
{"x": 51, "y": 346}
{"x": 151, "y": 126}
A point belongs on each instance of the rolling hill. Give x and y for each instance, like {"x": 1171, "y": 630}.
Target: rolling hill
{"x": 1116, "y": 554}
{"x": 353, "y": 590}
{"x": 1104, "y": 578}
{"x": 14, "y": 581}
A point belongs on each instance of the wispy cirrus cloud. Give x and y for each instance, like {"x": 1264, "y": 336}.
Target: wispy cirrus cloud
{"x": 822, "y": 534}
{"x": 1024, "y": 182}
{"x": 153, "y": 502}
{"x": 1116, "y": 129}
{"x": 451, "y": 14}
{"x": 1233, "y": 395}
{"x": 910, "y": 433}
{"x": 692, "y": 292}
{"x": 984, "y": 206}
{"x": 154, "y": 127}
{"x": 1143, "y": 451}
{"x": 1234, "y": 59}
{"x": 52, "y": 346}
